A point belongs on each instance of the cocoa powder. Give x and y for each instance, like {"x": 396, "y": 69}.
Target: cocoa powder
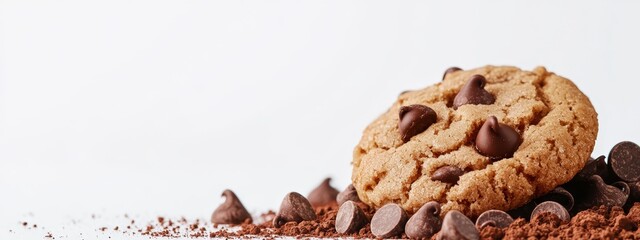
{"x": 595, "y": 223}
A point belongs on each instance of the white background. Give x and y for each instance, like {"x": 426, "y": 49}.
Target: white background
{"x": 157, "y": 106}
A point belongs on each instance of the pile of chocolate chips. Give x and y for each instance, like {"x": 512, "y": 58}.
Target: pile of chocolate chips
{"x": 591, "y": 205}
{"x": 600, "y": 202}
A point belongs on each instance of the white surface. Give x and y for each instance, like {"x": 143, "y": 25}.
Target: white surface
{"x": 154, "y": 107}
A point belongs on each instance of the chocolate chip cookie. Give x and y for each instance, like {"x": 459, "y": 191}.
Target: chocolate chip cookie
{"x": 487, "y": 138}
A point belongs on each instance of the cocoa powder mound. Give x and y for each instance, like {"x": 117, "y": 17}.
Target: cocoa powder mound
{"x": 595, "y": 223}
{"x": 323, "y": 227}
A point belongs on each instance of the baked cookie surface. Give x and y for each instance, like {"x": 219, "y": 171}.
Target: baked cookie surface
{"x": 555, "y": 121}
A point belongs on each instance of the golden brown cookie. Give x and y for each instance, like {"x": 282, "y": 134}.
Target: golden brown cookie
{"x": 543, "y": 133}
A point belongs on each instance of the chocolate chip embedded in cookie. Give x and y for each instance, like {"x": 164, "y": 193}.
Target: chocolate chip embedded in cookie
{"x": 497, "y": 140}
{"x": 450, "y": 70}
{"x": 447, "y": 174}
{"x": 539, "y": 126}
{"x": 473, "y": 93}
{"x": 414, "y": 119}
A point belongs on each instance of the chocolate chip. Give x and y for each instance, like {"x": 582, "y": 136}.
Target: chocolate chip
{"x": 552, "y": 207}
{"x": 294, "y": 208}
{"x": 447, "y": 174}
{"x": 559, "y": 195}
{"x": 350, "y": 218}
{"x": 597, "y": 192}
{"x": 596, "y": 166}
{"x": 497, "y": 140}
{"x": 634, "y": 191}
{"x": 624, "y": 161}
{"x": 495, "y": 218}
{"x": 450, "y": 70}
{"x": 425, "y": 222}
{"x": 473, "y": 93}
{"x": 349, "y": 194}
{"x": 388, "y": 221}
{"x": 231, "y": 211}
{"x": 414, "y": 119}
{"x": 456, "y": 225}
{"x": 323, "y": 195}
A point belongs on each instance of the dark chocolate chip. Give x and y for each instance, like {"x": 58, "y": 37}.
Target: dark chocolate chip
{"x": 597, "y": 192}
{"x": 559, "y": 195}
{"x": 323, "y": 195}
{"x": 447, "y": 174}
{"x": 624, "y": 161}
{"x": 425, "y": 222}
{"x": 349, "y": 194}
{"x": 473, "y": 93}
{"x": 596, "y": 166}
{"x": 450, "y": 70}
{"x": 414, "y": 119}
{"x": 350, "y": 218}
{"x": 497, "y": 140}
{"x": 456, "y": 225}
{"x": 577, "y": 184}
{"x": 552, "y": 207}
{"x": 495, "y": 218}
{"x": 388, "y": 221}
{"x": 294, "y": 208}
{"x": 634, "y": 191}
{"x": 231, "y": 211}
